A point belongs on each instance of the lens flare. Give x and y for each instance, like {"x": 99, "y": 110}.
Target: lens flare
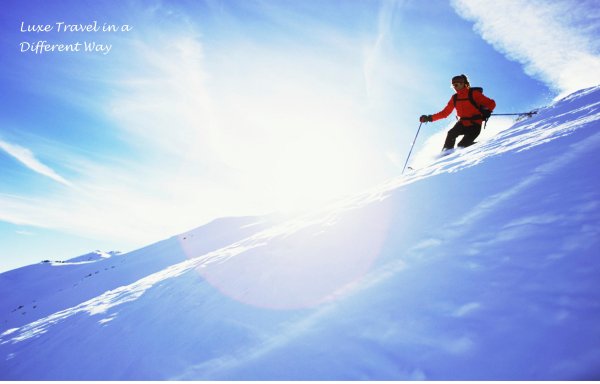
{"x": 300, "y": 263}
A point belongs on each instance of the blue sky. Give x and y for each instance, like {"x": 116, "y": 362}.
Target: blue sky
{"x": 205, "y": 109}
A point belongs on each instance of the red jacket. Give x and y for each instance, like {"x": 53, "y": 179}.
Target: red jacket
{"x": 464, "y": 108}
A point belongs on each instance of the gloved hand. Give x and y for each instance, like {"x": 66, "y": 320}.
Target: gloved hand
{"x": 486, "y": 113}
{"x": 425, "y": 118}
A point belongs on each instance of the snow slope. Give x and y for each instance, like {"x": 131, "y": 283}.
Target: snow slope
{"x": 483, "y": 265}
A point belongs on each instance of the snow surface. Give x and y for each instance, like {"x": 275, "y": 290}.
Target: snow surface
{"x": 484, "y": 264}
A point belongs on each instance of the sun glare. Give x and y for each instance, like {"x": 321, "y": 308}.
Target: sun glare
{"x": 296, "y": 168}
{"x": 295, "y": 138}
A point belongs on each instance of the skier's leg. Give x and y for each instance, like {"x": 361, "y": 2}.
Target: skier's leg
{"x": 453, "y": 133}
{"x": 471, "y": 134}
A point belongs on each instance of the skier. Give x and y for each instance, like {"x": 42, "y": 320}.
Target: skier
{"x": 472, "y": 107}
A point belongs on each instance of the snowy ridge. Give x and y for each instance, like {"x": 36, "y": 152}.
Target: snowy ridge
{"x": 481, "y": 265}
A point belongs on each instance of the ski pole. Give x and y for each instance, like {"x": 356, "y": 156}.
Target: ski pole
{"x": 514, "y": 114}
{"x": 510, "y": 114}
{"x": 411, "y": 147}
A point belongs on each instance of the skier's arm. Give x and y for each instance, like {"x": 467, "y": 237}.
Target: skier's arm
{"x": 444, "y": 112}
{"x": 486, "y": 102}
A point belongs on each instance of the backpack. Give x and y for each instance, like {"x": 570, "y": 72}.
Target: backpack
{"x": 472, "y": 100}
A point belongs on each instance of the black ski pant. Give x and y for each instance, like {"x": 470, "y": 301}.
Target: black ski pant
{"x": 469, "y": 133}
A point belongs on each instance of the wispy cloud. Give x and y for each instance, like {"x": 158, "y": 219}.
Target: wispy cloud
{"x": 374, "y": 57}
{"x": 161, "y": 183}
{"x": 556, "y": 41}
{"x": 28, "y": 159}
{"x": 210, "y": 123}
{"x": 247, "y": 112}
